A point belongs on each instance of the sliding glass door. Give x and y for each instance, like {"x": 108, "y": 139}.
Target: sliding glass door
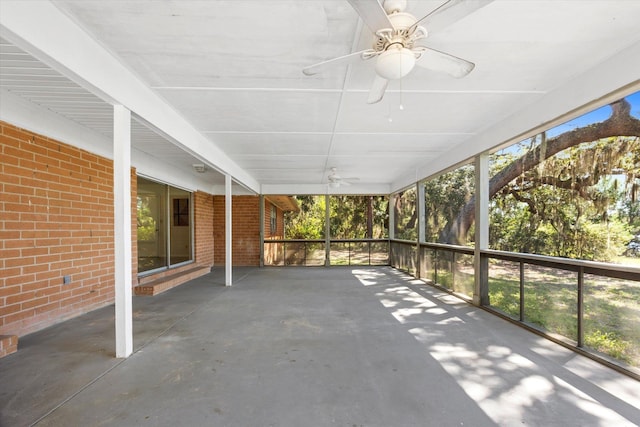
{"x": 164, "y": 216}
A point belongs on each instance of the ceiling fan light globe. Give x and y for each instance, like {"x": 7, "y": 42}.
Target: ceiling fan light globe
{"x": 395, "y": 63}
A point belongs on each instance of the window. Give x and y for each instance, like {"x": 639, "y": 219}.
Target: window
{"x": 180, "y": 212}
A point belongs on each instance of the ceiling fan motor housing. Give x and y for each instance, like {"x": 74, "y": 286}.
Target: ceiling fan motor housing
{"x": 402, "y": 20}
{"x": 404, "y": 31}
{"x": 393, "y": 6}
{"x": 396, "y": 59}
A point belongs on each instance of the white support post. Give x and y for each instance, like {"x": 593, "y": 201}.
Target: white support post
{"x": 122, "y": 229}
{"x": 327, "y": 230}
{"x": 481, "y": 292}
{"x": 228, "y": 235}
{"x": 421, "y": 225}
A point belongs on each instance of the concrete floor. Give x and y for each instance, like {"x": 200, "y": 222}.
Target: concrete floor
{"x": 307, "y": 347}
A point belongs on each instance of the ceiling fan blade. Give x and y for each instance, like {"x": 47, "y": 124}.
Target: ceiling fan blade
{"x": 377, "y": 90}
{"x": 450, "y": 12}
{"x": 341, "y": 60}
{"x": 435, "y": 60}
{"x": 372, "y": 14}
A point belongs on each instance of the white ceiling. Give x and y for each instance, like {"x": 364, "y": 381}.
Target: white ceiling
{"x": 232, "y": 71}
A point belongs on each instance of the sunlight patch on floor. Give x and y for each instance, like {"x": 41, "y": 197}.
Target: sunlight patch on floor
{"x": 590, "y": 405}
{"x": 509, "y": 386}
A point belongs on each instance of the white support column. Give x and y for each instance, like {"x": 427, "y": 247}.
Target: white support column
{"x": 228, "y": 235}
{"x": 421, "y": 225}
{"x": 122, "y": 229}
{"x": 327, "y": 230}
{"x": 480, "y": 293}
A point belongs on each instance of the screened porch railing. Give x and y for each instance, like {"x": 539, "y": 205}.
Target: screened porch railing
{"x": 300, "y": 252}
{"x": 591, "y": 307}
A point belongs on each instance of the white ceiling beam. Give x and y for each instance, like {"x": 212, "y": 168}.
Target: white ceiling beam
{"x": 314, "y": 189}
{"x": 42, "y": 30}
{"x": 598, "y": 85}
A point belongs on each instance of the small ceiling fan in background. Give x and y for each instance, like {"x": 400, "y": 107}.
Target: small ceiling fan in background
{"x": 335, "y": 180}
{"x": 399, "y": 43}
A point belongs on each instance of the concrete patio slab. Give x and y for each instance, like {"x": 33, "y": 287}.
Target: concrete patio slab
{"x": 307, "y": 346}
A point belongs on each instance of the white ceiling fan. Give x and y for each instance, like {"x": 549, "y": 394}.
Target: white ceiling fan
{"x": 335, "y": 180}
{"x": 399, "y": 43}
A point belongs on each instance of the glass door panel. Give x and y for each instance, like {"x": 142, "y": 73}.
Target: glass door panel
{"x": 180, "y": 226}
{"x": 151, "y": 208}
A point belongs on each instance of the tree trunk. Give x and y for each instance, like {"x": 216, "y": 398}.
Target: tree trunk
{"x": 620, "y": 123}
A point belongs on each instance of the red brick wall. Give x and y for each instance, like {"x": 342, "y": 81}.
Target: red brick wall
{"x": 267, "y": 220}
{"x": 280, "y": 224}
{"x": 279, "y": 232}
{"x": 203, "y": 213}
{"x": 245, "y": 227}
{"x": 273, "y": 252}
{"x": 56, "y": 219}
{"x": 134, "y": 227}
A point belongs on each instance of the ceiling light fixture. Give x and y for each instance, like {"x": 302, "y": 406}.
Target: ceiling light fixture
{"x": 395, "y": 62}
{"x": 199, "y": 167}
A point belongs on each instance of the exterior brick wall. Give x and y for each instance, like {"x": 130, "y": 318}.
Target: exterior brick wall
{"x": 203, "y": 213}
{"x": 267, "y": 219}
{"x": 134, "y": 227}
{"x": 56, "y": 220}
{"x": 279, "y": 231}
{"x": 273, "y": 252}
{"x": 245, "y": 228}
{"x": 280, "y": 225}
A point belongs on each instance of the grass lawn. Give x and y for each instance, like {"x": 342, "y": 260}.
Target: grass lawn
{"x": 611, "y": 306}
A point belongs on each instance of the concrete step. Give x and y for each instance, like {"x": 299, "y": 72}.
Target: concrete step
{"x": 157, "y": 285}
{"x": 8, "y": 344}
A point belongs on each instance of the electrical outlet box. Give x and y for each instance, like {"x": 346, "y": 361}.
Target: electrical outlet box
{"x": 66, "y": 280}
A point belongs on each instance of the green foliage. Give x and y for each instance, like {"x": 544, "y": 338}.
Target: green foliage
{"x": 349, "y": 217}
{"x": 309, "y": 222}
{"x": 609, "y": 343}
{"x": 406, "y": 215}
{"x": 629, "y": 209}
{"x": 146, "y": 221}
{"x": 445, "y": 196}
{"x": 580, "y": 203}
